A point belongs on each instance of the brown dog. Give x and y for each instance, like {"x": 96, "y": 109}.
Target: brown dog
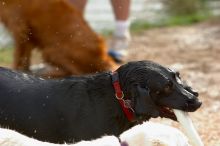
{"x": 59, "y": 31}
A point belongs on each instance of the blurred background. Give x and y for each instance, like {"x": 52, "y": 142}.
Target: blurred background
{"x": 144, "y": 14}
{"x": 181, "y": 34}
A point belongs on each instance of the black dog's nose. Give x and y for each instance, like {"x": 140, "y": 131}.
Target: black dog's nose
{"x": 193, "y": 105}
{"x": 198, "y": 104}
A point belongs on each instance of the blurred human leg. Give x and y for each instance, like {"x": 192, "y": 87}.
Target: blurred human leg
{"x": 121, "y": 36}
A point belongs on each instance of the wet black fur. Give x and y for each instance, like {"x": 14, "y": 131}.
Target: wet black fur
{"x": 85, "y": 107}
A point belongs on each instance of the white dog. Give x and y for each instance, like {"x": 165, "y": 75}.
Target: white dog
{"x": 147, "y": 134}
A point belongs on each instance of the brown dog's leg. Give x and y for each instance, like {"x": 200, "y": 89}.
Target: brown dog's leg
{"x": 62, "y": 64}
{"x": 22, "y": 56}
{"x": 23, "y": 47}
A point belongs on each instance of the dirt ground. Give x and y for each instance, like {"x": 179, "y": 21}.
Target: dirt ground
{"x": 194, "y": 51}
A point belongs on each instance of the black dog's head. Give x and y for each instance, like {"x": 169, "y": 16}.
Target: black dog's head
{"x": 156, "y": 90}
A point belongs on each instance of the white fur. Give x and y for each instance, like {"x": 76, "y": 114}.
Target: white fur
{"x": 147, "y": 134}
{"x": 154, "y": 134}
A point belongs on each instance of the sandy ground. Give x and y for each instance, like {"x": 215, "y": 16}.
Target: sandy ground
{"x": 195, "y": 52}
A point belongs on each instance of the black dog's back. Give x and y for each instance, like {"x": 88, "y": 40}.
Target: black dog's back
{"x": 27, "y": 101}
{"x": 14, "y": 83}
{"x": 53, "y": 110}
{"x": 18, "y": 101}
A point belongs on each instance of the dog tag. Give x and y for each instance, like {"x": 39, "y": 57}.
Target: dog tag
{"x": 127, "y": 104}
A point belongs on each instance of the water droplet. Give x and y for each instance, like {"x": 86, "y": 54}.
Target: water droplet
{"x": 35, "y": 131}
{"x": 41, "y": 79}
{"x": 26, "y": 77}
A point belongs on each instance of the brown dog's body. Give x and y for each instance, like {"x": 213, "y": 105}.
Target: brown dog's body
{"x": 59, "y": 31}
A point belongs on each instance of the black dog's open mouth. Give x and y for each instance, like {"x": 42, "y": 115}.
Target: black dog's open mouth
{"x": 167, "y": 112}
{"x": 164, "y": 112}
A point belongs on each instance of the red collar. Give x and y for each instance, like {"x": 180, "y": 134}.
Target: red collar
{"x": 125, "y": 104}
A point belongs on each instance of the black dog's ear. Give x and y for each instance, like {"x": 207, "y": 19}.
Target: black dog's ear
{"x": 144, "y": 105}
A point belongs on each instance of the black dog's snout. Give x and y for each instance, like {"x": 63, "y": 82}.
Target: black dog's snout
{"x": 189, "y": 89}
{"x": 193, "y": 104}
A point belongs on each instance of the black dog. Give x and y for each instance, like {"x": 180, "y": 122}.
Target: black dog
{"x": 77, "y": 108}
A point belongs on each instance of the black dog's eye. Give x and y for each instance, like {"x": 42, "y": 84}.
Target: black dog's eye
{"x": 168, "y": 87}
{"x": 157, "y": 92}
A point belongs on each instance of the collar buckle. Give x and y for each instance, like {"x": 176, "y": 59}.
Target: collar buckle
{"x": 120, "y": 97}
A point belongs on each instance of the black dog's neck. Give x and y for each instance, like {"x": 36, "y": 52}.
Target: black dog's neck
{"x": 103, "y": 83}
{"x": 123, "y": 80}
{"x": 106, "y": 80}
